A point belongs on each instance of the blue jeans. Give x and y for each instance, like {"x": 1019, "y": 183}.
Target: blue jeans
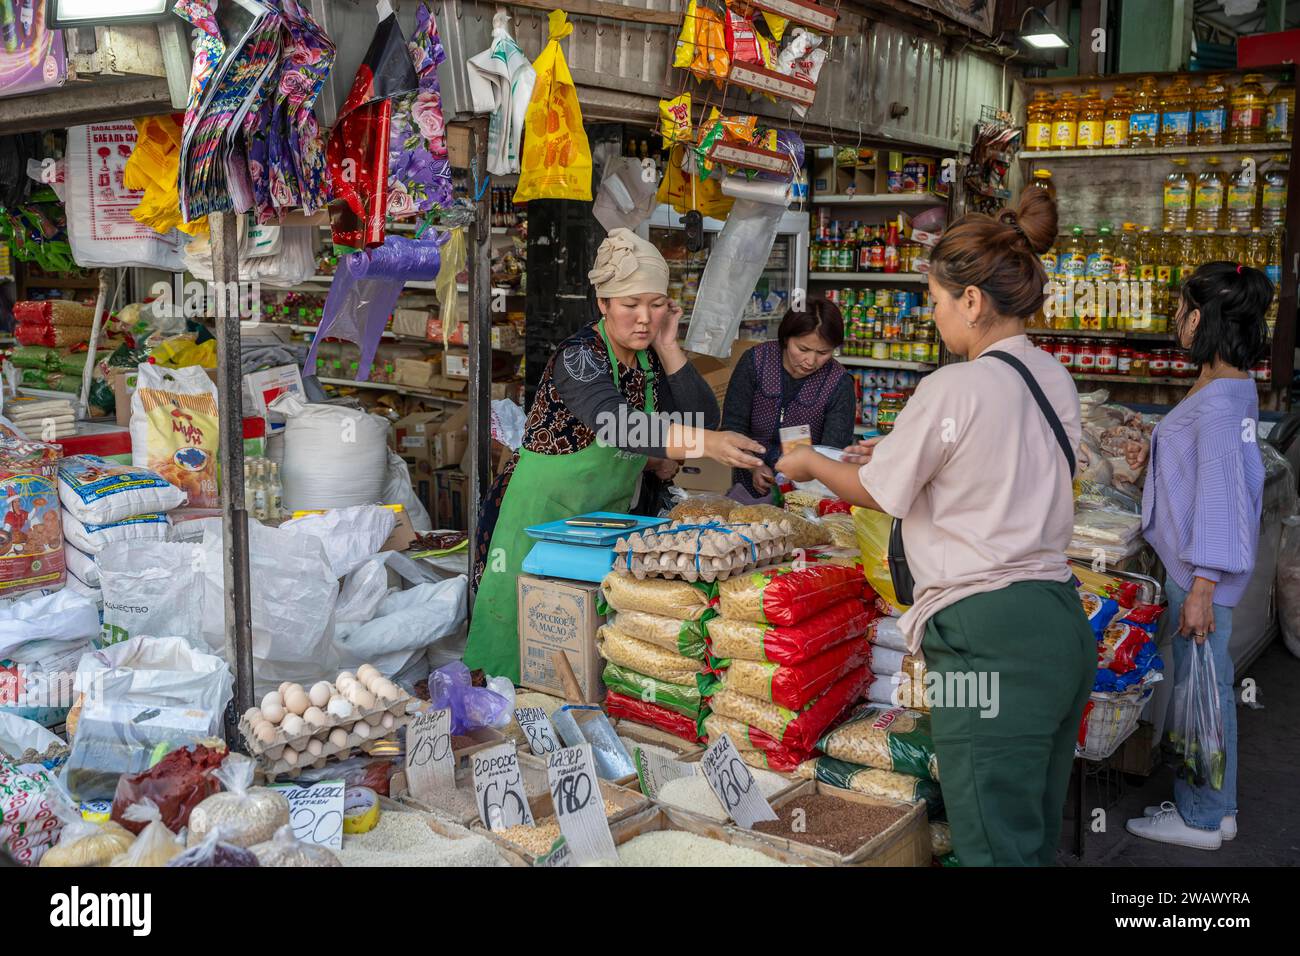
{"x": 1204, "y": 807}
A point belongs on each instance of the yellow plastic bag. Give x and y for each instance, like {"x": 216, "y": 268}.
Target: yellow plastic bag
{"x": 685, "y": 51}
{"x": 556, "y": 162}
{"x": 180, "y": 351}
{"x": 872, "y": 528}
{"x": 453, "y": 261}
{"x": 152, "y": 168}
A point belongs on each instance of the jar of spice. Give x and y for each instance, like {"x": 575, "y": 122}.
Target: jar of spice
{"x": 1086, "y": 357}
{"x": 1159, "y": 363}
{"x": 1107, "y": 358}
{"x": 891, "y": 403}
{"x": 1124, "y": 362}
{"x": 1141, "y": 364}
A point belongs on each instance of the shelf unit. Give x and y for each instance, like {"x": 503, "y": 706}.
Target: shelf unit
{"x": 883, "y": 199}
{"x": 390, "y": 387}
{"x": 1133, "y": 379}
{"x": 884, "y": 278}
{"x": 1169, "y": 152}
{"x": 860, "y": 362}
{"x": 1103, "y": 334}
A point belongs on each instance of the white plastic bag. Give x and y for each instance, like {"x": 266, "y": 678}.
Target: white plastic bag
{"x": 156, "y": 672}
{"x": 334, "y": 457}
{"x": 92, "y": 594}
{"x": 405, "y": 625}
{"x": 508, "y": 422}
{"x": 152, "y": 589}
{"x": 277, "y": 256}
{"x": 351, "y": 535}
{"x": 95, "y": 491}
{"x": 81, "y": 566}
{"x": 398, "y": 491}
{"x": 94, "y": 538}
{"x": 101, "y": 231}
{"x": 59, "y": 618}
{"x": 294, "y": 591}
{"x": 174, "y": 430}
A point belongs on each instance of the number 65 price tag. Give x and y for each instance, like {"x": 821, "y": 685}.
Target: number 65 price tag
{"x": 734, "y": 785}
{"x": 499, "y": 788}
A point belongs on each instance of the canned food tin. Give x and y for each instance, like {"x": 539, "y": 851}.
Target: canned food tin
{"x": 1067, "y": 353}
{"x": 880, "y": 350}
{"x": 1086, "y": 358}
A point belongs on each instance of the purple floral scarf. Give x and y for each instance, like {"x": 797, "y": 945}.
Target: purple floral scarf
{"x": 419, "y": 172}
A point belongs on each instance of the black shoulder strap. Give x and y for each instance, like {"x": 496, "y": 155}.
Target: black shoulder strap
{"x": 1044, "y": 405}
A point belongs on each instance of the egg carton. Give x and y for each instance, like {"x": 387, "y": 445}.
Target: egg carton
{"x": 278, "y": 767}
{"x": 374, "y": 717}
{"x": 702, "y": 550}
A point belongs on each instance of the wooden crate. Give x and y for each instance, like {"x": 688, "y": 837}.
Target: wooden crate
{"x": 666, "y": 818}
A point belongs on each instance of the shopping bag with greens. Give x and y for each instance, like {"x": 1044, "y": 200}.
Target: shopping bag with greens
{"x": 1197, "y": 733}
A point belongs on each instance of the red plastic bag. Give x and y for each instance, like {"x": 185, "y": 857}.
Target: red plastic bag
{"x": 177, "y": 784}
{"x": 652, "y": 715}
{"x": 794, "y": 685}
{"x": 795, "y": 730}
{"x": 751, "y": 740}
{"x": 788, "y": 595}
{"x": 793, "y": 644}
{"x": 833, "y": 506}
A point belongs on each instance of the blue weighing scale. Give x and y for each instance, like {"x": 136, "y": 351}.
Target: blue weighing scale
{"x": 580, "y": 554}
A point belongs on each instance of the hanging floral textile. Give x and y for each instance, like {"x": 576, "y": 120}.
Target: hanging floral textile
{"x": 419, "y": 172}
{"x": 358, "y": 150}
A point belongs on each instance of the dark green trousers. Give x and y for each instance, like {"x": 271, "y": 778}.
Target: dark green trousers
{"x": 1029, "y": 652}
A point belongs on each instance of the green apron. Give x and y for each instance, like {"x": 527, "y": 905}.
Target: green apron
{"x": 544, "y": 488}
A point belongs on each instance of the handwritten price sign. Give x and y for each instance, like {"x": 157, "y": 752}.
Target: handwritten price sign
{"x": 430, "y": 764}
{"x": 537, "y": 727}
{"x": 734, "y": 785}
{"x": 499, "y": 789}
{"x": 316, "y": 812}
{"x": 579, "y": 805}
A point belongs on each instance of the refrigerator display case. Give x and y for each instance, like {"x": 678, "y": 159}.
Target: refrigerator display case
{"x": 786, "y": 270}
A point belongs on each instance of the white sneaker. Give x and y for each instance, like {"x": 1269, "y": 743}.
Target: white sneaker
{"x": 1227, "y": 826}
{"x": 1168, "y": 827}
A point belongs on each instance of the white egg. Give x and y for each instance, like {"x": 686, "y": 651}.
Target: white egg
{"x": 315, "y": 717}
{"x": 252, "y": 715}
{"x": 388, "y": 722}
{"x": 293, "y": 725}
{"x": 272, "y": 698}
{"x": 385, "y": 690}
{"x": 264, "y": 732}
{"x": 290, "y": 757}
{"x": 345, "y": 675}
{"x": 339, "y": 737}
{"x": 320, "y": 694}
{"x": 340, "y": 708}
{"x": 366, "y": 674}
{"x": 284, "y": 688}
{"x": 315, "y": 747}
{"x": 362, "y": 698}
{"x": 273, "y": 712}
{"x": 345, "y": 684}
{"x": 361, "y": 729}
{"x": 297, "y": 702}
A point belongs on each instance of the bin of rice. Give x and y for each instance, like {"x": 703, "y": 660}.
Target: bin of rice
{"x": 676, "y": 599}
{"x": 694, "y": 795}
{"x": 407, "y": 838}
{"x": 788, "y": 594}
{"x": 790, "y": 644}
{"x": 887, "y": 738}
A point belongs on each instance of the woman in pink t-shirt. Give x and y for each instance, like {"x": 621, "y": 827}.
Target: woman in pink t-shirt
{"x": 978, "y": 470}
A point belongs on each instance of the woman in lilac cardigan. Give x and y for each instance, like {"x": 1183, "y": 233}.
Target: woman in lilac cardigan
{"x": 1200, "y": 511}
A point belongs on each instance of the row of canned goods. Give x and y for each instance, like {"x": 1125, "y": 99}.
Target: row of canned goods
{"x": 1114, "y": 358}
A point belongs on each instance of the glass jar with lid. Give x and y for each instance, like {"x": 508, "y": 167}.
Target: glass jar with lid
{"x": 891, "y": 403}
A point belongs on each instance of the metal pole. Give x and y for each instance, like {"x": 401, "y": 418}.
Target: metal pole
{"x": 234, "y": 519}
{"x": 478, "y": 242}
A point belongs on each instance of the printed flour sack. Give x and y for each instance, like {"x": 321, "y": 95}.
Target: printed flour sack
{"x": 174, "y": 430}
{"x": 151, "y": 589}
{"x": 31, "y": 533}
{"x": 334, "y": 457}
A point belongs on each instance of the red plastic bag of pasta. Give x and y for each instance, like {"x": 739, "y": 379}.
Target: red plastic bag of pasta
{"x": 794, "y": 685}
{"x": 652, "y": 715}
{"x": 788, "y": 594}
{"x": 793, "y": 644}
{"x": 795, "y": 730}
{"x": 758, "y": 748}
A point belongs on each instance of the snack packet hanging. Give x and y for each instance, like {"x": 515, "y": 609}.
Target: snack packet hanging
{"x": 776, "y": 24}
{"x": 675, "y": 119}
{"x": 711, "y": 61}
{"x": 742, "y": 39}
{"x": 684, "y": 53}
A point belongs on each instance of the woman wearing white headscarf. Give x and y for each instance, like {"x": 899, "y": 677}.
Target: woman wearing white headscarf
{"x": 616, "y": 399}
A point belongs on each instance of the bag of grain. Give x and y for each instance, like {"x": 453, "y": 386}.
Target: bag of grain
{"x": 794, "y": 685}
{"x": 685, "y": 700}
{"x": 874, "y": 782}
{"x": 757, "y": 748}
{"x": 687, "y": 638}
{"x": 790, "y": 593}
{"x": 887, "y": 738}
{"x": 95, "y": 491}
{"x": 746, "y": 640}
{"x": 643, "y": 658}
{"x": 676, "y": 599}
{"x": 174, "y": 430}
{"x": 807, "y": 534}
{"x": 31, "y": 533}
{"x": 797, "y": 730}
{"x": 94, "y": 538}
{"x": 652, "y": 715}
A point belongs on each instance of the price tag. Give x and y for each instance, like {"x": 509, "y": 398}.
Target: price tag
{"x": 579, "y": 806}
{"x": 316, "y": 812}
{"x": 653, "y": 771}
{"x": 430, "y": 764}
{"x": 560, "y": 856}
{"x": 542, "y": 739}
{"x": 734, "y": 785}
{"x": 499, "y": 788}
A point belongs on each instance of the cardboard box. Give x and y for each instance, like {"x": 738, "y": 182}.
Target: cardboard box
{"x": 451, "y": 440}
{"x": 513, "y": 391}
{"x": 413, "y": 436}
{"x": 450, "y": 500}
{"x": 458, "y": 146}
{"x": 450, "y": 387}
{"x": 717, "y": 372}
{"x": 262, "y": 388}
{"x": 506, "y": 338}
{"x": 704, "y": 474}
{"x": 403, "y": 535}
{"x": 413, "y": 322}
{"x": 559, "y": 617}
{"x": 459, "y": 333}
{"x": 416, "y": 373}
{"x": 456, "y": 365}
{"x": 123, "y": 382}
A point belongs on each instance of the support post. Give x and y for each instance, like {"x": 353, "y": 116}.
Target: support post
{"x": 478, "y": 243}
{"x": 234, "y": 518}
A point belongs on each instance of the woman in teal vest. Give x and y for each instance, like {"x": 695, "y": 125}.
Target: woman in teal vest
{"x": 616, "y": 399}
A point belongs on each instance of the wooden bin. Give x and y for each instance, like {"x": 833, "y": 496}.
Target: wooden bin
{"x": 665, "y": 818}
{"x": 445, "y": 828}
{"x": 659, "y": 738}
{"x": 905, "y": 843}
{"x": 461, "y": 807}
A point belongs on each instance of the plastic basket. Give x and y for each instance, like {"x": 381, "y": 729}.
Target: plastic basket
{"x": 1110, "y": 722}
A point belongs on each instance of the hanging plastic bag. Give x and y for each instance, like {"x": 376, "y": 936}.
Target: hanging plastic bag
{"x": 873, "y": 541}
{"x": 155, "y": 845}
{"x": 626, "y": 197}
{"x": 1197, "y": 732}
{"x": 501, "y": 82}
{"x": 101, "y": 230}
{"x": 471, "y": 707}
{"x": 557, "y": 158}
{"x": 1288, "y": 584}
{"x": 445, "y": 286}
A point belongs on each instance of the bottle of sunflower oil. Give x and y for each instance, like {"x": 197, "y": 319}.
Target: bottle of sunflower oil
{"x": 1092, "y": 119}
{"x": 1115, "y": 127}
{"x": 1144, "y": 118}
{"x": 1210, "y": 103}
{"x": 1065, "y": 122}
{"x": 1211, "y": 192}
{"x": 1039, "y": 132}
{"x": 1249, "y": 111}
{"x": 1176, "y": 113}
{"x": 1178, "y": 196}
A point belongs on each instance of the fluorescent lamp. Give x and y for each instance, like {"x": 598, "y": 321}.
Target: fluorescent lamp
{"x": 65, "y": 14}
{"x": 1042, "y": 36}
